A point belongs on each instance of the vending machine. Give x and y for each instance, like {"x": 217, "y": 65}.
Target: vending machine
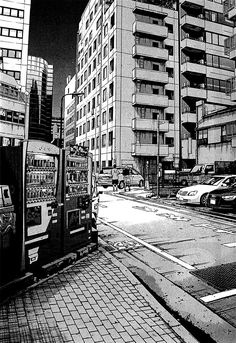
{"x": 77, "y": 198}
{"x": 33, "y": 173}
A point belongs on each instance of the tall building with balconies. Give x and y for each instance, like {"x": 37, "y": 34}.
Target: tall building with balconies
{"x": 14, "y": 33}
{"x": 128, "y": 70}
{"x": 40, "y": 89}
{"x": 205, "y": 71}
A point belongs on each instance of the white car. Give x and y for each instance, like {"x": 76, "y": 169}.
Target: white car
{"x": 197, "y": 194}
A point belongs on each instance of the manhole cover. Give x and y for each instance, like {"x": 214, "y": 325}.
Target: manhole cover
{"x": 222, "y": 277}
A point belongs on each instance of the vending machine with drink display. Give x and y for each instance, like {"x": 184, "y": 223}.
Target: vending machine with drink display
{"x": 77, "y": 198}
{"x": 32, "y": 171}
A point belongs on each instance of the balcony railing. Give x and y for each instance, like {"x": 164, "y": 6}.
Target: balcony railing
{"x": 228, "y": 5}
{"x": 193, "y": 85}
{"x": 230, "y": 44}
{"x": 185, "y": 35}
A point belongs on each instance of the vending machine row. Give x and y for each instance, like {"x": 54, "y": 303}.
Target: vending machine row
{"x": 51, "y": 191}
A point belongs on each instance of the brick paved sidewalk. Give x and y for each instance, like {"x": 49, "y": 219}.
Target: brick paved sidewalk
{"x": 95, "y": 300}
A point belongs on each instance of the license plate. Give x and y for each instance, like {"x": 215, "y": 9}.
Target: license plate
{"x": 213, "y": 201}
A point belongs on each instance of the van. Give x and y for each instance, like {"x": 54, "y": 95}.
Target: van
{"x": 105, "y": 177}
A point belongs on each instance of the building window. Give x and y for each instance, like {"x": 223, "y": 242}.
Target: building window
{"x": 90, "y": 51}
{"x": 10, "y": 53}
{"x": 8, "y": 32}
{"x": 103, "y": 140}
{"x": 88, "y": 126}
{"x": 94, "y": 83}
{"x": 105, "y": 51}
{"x": 110, "y": 116}
{"x": 112, "y": 22}
{"x": 203, "y": 137}
{"x": 92, "y": 123}
{"x": 92, "y": 143}
{"x": 99, "y": 58}
{"x": 98, "y": 119}
{"x": 87, "y": 24}
{"x": 104, "y": 95}
{"x": 111, "y": 65}
{"x": 104, "y": 73}
{"x": 111, "y": 90}
{"x": 110, "y": 138}
{"x": 105, "y": 30}
{"x": 98, "y": 78}
{"x": 112, "y": 43}
{"x": 94, "y": 64}
{"x": 98, "y": 99}
{"x": 83, "y": 128}
{"x": 91, "y": 16}
{"x": 12, "y": 12}
{"x": 95, "y": 45}
{"x": 98, "y": 24}
{"x": 104, "y": 117}
{"x": 93, "y": 103}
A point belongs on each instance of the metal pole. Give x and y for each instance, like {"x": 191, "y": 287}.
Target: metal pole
{"x": 158, "y": 153}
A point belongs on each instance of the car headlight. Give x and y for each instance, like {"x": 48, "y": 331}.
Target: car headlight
{"x": 229, "y": 197}
{"x": 192, "y": 193}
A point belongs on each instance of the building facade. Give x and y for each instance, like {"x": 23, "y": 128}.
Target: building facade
{"x": 14, "y": 33}
{"x": 12, "y": 111}
{"x": 206, "y": 69}
{"x": 154, "y": 75}
{"x": 127, "y": 60}
{"x": 69, "y": 114}
{"x": 40, "y": 89}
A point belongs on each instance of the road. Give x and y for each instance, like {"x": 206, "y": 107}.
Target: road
{"x": 163, "y": 246}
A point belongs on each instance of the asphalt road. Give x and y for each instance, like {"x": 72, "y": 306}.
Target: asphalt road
{"x": 175, "y": 243}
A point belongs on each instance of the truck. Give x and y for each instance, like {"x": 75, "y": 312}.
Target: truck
{"x": 199, "y": 173}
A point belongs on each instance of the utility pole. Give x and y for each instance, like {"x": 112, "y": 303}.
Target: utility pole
{"x": 158, "y": 152}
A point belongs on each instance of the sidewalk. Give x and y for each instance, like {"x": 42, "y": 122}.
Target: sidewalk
{"x": 94, "y": 300}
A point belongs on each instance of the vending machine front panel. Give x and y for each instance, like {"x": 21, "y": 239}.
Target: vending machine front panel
{"x": 77, "y": 204}
{"x": 42, "y": 219}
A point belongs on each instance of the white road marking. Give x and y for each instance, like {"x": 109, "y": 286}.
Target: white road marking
{"x": 230, "y": 245}
{"x": 219, "y": 295}
{"x": 225, "y": 231}
{"x": 149, "y": 246}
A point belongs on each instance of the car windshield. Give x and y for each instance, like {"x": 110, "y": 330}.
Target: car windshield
{"x": 213, "y": 181}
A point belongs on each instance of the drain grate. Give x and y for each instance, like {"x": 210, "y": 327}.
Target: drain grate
{"x": 222, "y": 277}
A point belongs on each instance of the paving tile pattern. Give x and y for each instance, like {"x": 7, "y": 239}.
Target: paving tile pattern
{"x": 92, "y": 301}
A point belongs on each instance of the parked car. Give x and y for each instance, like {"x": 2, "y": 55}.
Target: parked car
{"x": 105, "y": 177}
{"x": 198, "y": 194}
{"x": 223, "y": 199}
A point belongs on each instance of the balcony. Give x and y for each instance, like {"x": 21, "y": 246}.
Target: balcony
{"x": 140, "y": 124}
{"x": 152, "y": 100}
{"x": 150, "y": 75}
{"x": 192, "y": 23}
{"x": 193, "y": 67}
{"x": 229, "y": 8}
{"x": 139, "y": 149}
{"x": 194, "y": 91}
{"x": 188, "y": 117}
{"x": 193, "y": 44}
{"x": 149, "y": 51}
{"x": 150, "y": 29}
{"x": 189, "y": 148}
{"x": 230, "y": 47}
{"x": 193, "y": 4}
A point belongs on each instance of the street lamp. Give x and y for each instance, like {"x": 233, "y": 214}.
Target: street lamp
{"x": 61, "y": 117}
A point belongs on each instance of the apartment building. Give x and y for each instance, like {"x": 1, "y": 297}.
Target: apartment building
{"x": 206, "y": 68}
{"x": 128, "y": 69}
{"x": 69, "y": 115}
{"x": 40, "y": 89}
{"x": 14, "y": 32}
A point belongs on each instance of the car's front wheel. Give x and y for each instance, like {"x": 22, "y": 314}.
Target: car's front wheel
{"x": 203, "y": 200}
